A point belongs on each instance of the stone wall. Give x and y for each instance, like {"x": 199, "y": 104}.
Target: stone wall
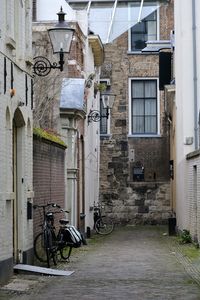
{"x": 140, "y": 203}
{"x": 128, "y": 201}
{"x": 147, "y": 201}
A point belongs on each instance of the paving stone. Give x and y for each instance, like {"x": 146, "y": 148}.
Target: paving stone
{"x": 134, "y": 262}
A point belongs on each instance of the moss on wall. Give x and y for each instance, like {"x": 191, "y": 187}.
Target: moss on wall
{"x": 48, "y": 135}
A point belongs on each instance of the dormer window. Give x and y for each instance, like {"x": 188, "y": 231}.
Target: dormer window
{"x": 146, "y": 29}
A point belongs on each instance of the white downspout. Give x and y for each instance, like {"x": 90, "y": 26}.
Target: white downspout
{"x": 195, "y": 74}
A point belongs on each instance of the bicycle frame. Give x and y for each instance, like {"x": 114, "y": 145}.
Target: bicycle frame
{"x": 47, "y": 236}
{"x": 102, "y": 224}
{"x": 49, "y": 241}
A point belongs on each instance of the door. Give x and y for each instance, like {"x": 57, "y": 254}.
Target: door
{"x": 14, "y": 206}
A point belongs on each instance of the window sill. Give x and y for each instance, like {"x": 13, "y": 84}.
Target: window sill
{"x": 144, "y": 136}
{"x": 105, "y": 136}
{"x": 141, "y": 53}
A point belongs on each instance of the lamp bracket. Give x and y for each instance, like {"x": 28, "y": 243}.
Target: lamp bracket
{"x": 96, "y": 116}
{"x": 42, "y": 66}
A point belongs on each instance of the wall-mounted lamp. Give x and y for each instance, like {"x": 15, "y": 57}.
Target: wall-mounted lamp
{"x": 61, "y": 37}
{"x": 107, "y": 100}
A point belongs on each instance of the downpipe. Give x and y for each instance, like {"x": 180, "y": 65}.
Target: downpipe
{"x": 196, "y": 114}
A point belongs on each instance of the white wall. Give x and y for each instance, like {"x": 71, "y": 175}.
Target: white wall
{"x": 92, "y": 143}
{"x": 185, "y": 108}
{"x": 15, "y": 49}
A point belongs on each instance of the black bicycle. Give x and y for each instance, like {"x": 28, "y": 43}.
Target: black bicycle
{"x": 102, "y": 223}
{"x": 48, "y": 244}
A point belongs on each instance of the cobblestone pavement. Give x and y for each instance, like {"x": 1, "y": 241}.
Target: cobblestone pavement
{"x": 131, "y": 263}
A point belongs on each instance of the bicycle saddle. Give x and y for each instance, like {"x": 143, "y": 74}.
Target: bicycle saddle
{"x": 64, "y": 221}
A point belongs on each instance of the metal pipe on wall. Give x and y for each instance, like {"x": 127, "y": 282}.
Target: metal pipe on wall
{"x": 196, "y": 113}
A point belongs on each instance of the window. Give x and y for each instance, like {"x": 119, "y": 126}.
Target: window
{"x": 144, "y": 112}
{"x": 11, "y": 76}
{"x": 109, "y": 18}
{"x": 104, "y": 121}
{"x": 146, "y": 30}
{"x": 5, "y": 75}
{"x": 34, "y": 11}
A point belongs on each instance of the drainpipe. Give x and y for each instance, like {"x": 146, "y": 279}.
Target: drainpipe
{"x": 195, "y": 74}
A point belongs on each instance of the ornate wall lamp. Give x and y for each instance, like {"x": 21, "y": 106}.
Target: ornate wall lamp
{"x": 61, "y": 37}
{"x": 107, "y": 100}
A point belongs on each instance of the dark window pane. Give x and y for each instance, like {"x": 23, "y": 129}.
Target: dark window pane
{"x": 104, "y": 121}
{"x": 144, "y": 31}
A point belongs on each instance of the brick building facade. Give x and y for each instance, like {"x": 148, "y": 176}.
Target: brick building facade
{"x": 134, "y": 169}
{"x": 48, "y": 177}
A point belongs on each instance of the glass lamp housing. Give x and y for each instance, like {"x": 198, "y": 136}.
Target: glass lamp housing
{"x": 108, "y": 100}
{"x": 61, "y": 39}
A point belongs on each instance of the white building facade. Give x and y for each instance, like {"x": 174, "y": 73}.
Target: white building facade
{"x": 187, "y": 106}
{"x": 15, "y": 134}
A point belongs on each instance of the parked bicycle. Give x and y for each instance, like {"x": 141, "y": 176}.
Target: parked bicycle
{"x": 102, "y": 223}
{"x": 48, "y": 244}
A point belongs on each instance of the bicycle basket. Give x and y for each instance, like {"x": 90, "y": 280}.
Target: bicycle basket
{"x": 72, "y": 236}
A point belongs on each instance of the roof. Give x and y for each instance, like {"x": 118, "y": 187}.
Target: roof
{"x": 97, "y": 48}
{"x": 72, "y": 93}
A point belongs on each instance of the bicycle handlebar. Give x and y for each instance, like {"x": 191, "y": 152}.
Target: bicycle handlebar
{"x": 46, "y": 205}
{"x": 62, "y": 210}
{"x": 50, "y": 204}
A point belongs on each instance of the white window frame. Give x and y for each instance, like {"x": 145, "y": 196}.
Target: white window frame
{"x": 130, "y": 108}
{"x": 158, "y": 28}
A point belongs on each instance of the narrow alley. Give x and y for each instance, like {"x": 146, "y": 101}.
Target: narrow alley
{"x": 140, "y": 263}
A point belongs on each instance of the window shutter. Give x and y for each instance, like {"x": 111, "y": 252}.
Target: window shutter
{"x": 34, "y": 10}
{"x": 164, "y": 69}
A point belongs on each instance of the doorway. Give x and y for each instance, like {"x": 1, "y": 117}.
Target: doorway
{"x": 17, "y": 180}
{"x": 14, "y": 206}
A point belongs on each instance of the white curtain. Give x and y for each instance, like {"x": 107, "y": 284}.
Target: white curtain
{"x": 144, "y": 106}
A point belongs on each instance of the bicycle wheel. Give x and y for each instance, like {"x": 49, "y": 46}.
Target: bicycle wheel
{"x": 104, "y": 225}
{"x": 65, "y": 251}
{"x": 40, "y": 249}
{"x": 51, "y": 248}
{"x": 44, "y": 248}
